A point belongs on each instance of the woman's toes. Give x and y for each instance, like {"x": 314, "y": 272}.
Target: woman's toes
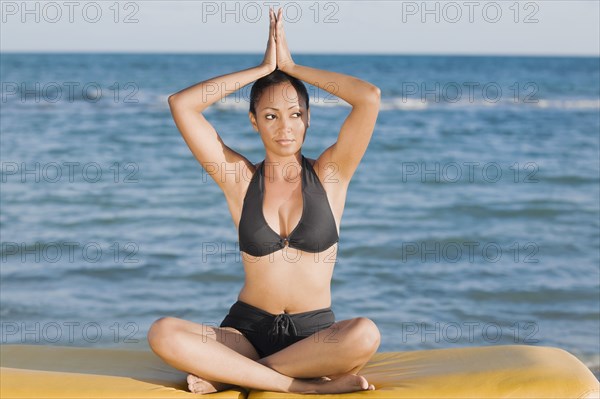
{"x": 364, "y": 384}
{"x": 199, "y": 387}
{"x": 195, "y": 384}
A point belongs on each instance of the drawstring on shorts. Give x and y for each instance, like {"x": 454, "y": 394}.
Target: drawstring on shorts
{"x": 281, "y": 327}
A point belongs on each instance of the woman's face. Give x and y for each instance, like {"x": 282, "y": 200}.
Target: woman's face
{"x": 281, "y": 119}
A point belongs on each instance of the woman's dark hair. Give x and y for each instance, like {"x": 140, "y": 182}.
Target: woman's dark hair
{"x": 274, "y": 78}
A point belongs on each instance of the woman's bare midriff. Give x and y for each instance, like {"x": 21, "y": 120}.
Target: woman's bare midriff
{"x": 289, "y": 280}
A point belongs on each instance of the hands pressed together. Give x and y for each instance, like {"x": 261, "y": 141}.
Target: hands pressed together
{"x": 277, "y": 54}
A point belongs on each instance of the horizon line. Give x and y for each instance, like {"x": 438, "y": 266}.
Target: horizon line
{"x": 542, "y": 55}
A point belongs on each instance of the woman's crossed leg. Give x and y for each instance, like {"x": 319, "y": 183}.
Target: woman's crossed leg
{"x": 221, "y": 357}
{"x": 343, "y": 348}
{"x": 168, "y": 333}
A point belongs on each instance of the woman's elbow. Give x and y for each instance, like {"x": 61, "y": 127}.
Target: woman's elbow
{"x": 182, "y": 101}
{"x": 176, "y": 102}
{"x": 172, "y": 98}
{"x": 372, "y": 95}
{"x": 375, "y": 93}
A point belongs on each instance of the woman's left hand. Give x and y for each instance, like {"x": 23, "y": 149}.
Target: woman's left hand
{"x": 270, "y": 60}
{"x": 284, "y": 58}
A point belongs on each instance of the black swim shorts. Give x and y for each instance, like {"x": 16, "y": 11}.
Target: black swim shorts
{"x": 270, "y": 333}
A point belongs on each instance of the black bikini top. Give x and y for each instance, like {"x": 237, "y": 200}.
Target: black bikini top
{"x": 316, "y": 231}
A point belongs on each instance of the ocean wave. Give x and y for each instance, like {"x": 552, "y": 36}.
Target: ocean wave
{"x": 236, "y": 103}
{"x": 569, "y": 104}
{"x": 537, "y": 296}
{"x": 399, "y": 103}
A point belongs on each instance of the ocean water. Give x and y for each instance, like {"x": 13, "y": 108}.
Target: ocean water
{"x": 473, "y": 218}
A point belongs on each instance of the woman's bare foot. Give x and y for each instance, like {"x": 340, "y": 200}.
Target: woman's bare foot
{"x": 343, "y": 383}
{"x": 200, "y": 385}
{"x": 334, "y": 376}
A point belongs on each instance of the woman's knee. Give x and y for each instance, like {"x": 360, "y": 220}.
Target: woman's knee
{"x": 161, "y": 331}
{"x": 365, "y": 336}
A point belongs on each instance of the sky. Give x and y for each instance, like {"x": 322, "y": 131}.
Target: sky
{"x": 503, "y": 27}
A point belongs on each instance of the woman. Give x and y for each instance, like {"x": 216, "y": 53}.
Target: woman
{"x": 281, "y": 334}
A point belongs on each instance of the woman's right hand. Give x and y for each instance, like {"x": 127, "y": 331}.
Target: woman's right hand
{"x": 270, "y": 60}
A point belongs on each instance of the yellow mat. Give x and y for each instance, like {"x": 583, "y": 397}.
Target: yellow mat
{"x": 39, "y": 372}
{"x": 509, "y": 371}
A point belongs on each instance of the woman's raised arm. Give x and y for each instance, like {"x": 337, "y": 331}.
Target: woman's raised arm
{"x": 356, "y": 131}
{"x": 205, "y": 143}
